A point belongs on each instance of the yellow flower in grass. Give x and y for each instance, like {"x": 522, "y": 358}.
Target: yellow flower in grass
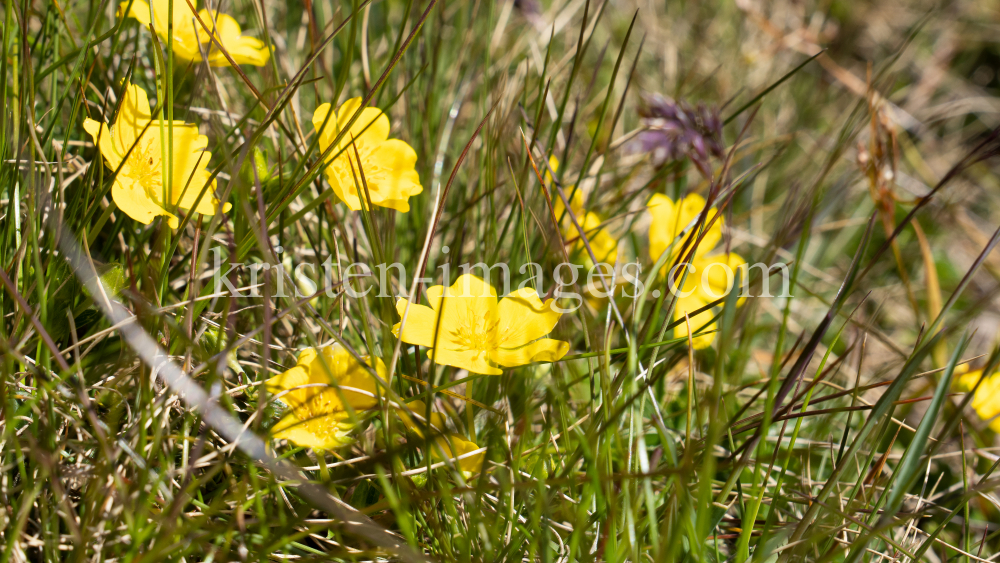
{"x": 455, "y": 447}
{"x": 708, "y": 277}
{"x": 137, "y": 146}
{"x": 318, "y": 392}
{"x": 670, "y": 219}
{"x": 387, "y": 166}
{"x": 190, "y": 37}
{"x": 602, "y": 243}
{"x": 604, "y": 246}
{"x": 478, "y": 333}
{"x": 986, "y": 401}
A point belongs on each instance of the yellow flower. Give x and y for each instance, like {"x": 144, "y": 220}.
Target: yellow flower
{"x": 670, "y": 220}
{"x": 986, "y": 401}
{"x": 469, "y": 463}
{"x": 388, "y": 164}
{"x": 604, "y": 246}
{"x": 190, "y": 37}
{"x": 318, "y": 414}
{"x": 135, "y": 145}
{"x": 602, "y": 243}
{"x": 477, "y": 333}
{"x": 708, "y": 277}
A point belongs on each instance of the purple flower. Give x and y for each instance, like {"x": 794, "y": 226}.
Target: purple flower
{"x": 675, "y": 130}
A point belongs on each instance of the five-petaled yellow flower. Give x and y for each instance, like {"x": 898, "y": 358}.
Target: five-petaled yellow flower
{"x": 456, "y": 448}
{"x": 707, "y": 276}
{"x": 319, "y": 390}
{"x": 190, "y": 38}
{"x": 986, "y": 401}
{"x": 476, "y": 332}
{"x": 386, "y": 165}
{"x": 604, "y": 246}
{"x": 137, "y": 146}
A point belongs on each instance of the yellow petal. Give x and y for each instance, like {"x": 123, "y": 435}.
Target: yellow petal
{"x": 689, "y": 305}
{"x": 327, "y": 128}
{"x": 288, "y": 380}
{"x": 419, "y": 408}
{"x": 349, "y": 194}
{"x": 218, "y": 24}
{"x": 306, "y": 357}
{"x": 103, "y": 138}
{"x": 364, "y": 158}
{"x": 458, "y": 451}
{"x": 470, "y": 303}
{"x": 185, "y": 32}
{"x": 603, "y": 245}
{"x": 662, "y": 228}
{"x": 421, "y": 324}
{"x": 554, "y": 165}
{"x": 325, "y": 125}
{"x": 574, "y": 196}
{"x": 986, "y": 402}
{"x": 967, "y": 381}
{"x": 472, "y": 360}
{"x": 452, "y": 445}
{"x": 182, "y": 17}
{"x": 670, "y": 220}
{"x": 434, "y": 294}
{"x": 188, "y": 149}
{"x": 544, "y": 350}
{"x": 133, "y": 200}
{"x": 288, "y": 385}
{"x": 690, "y": 208}
{"x": 140, "y": 189}
{"x": 399, "y": 179}
{"x": 243, "y": 49}
{"x": 197, "y": 183}
{"x": 188, "y": 32}
{"x": 187, "y": 48}
{"x": 139, "y": 11}
{"x": 190, "y": 174}
{"x": 321, "y": 433}
{"x": 335, "y": 365}
{"x": 523, "y": 318}
{"x": 482, "y": 295}
{"x": 576, "y": 203}
{"x": 371, "y": 127}
{"x": 251, "y": 51}
{"x": 162, "y": 15}
{"x": 715, "y": 276}
{"x": 133, "y": 119}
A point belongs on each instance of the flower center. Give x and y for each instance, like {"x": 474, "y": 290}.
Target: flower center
{"x": 318, "y": 405}
{"x": 477, "y": 332}
{"x": 313, "y": 413}
{"x": 144, "y": 166}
